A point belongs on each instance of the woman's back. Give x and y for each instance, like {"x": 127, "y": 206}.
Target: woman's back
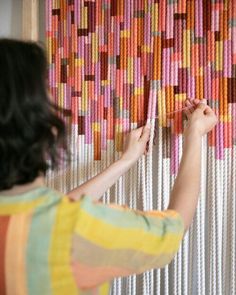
{"x": 51, "y": 244}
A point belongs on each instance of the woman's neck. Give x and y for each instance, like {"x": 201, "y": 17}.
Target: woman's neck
{"x": 24, "y": 188}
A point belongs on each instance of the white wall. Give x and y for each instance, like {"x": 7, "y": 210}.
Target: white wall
{"x": 11, "y": 19}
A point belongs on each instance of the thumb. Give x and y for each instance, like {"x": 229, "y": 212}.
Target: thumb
{"x": 146, "y": 133}
{"x": 201, "y": 107}
{"x": 208, "y": 111}
{"x": 137, "y": 133}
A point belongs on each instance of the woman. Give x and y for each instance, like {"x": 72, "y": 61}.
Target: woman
{"x": 56, "y": 244}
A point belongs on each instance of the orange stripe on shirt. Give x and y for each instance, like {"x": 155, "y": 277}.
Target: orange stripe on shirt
{"x": 4, "y": 221}
{"x": 16, "y": 246}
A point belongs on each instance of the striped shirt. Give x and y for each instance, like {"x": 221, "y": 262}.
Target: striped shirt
{"x": 50, "y": 244}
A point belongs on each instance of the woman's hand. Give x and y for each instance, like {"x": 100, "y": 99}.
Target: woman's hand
{"x": 135, "y": 146}
{"x": 201, "y": 118}
{"x": 136, "y": 143}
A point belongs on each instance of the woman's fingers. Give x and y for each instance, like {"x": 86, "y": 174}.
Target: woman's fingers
{"x": 189, "y": 105}
{"x": 187, "y": 113}
{"x": 146, "y": 133}
{"x": 192, "y": 105}
{"x": 196, "y": 101}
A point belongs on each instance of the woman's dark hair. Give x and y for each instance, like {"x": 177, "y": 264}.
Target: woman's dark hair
{"x": 30, "y": 130}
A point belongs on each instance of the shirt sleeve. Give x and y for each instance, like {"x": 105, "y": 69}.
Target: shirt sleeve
{"x": 111, "y": 241}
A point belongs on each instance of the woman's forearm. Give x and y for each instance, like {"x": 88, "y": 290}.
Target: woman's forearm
{"x": 135, "y": 146}
{"x": 184, "y": 196}
{"x": 97, "y": 186}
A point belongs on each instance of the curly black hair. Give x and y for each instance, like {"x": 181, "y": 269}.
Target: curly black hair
{"x": 31, "y": 132}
